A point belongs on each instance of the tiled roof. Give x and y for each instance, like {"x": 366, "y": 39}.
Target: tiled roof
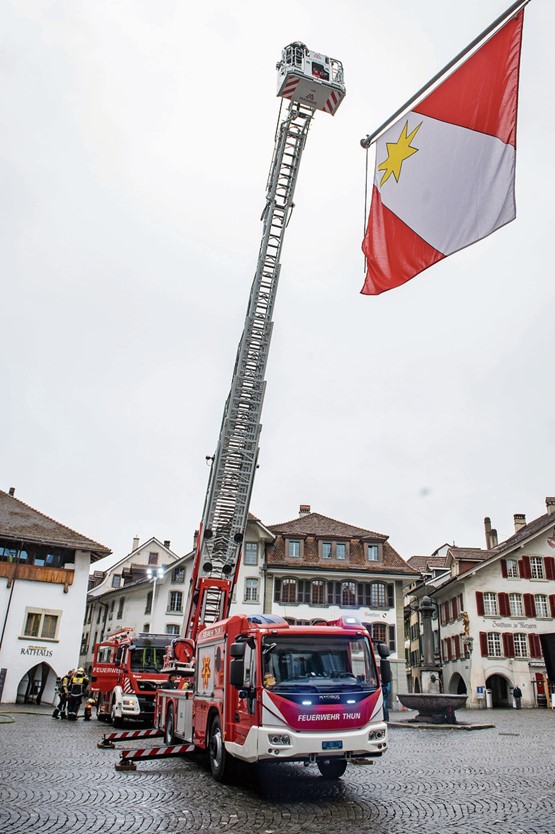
{"x": 314, "y": 524}
{"x": 544, "y": 521}
{"x": 20, "y": 522}
{"x": 470, "y": 553}
{"x": 421, "y": 563}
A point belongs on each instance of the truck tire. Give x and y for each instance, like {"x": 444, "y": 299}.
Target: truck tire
{"x": 220, "y": 760}
{"x": 169, "y": 736}
{"x": 332, "y": 768}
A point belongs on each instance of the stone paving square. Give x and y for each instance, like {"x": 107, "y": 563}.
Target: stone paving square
{"x": 491, "y": 781}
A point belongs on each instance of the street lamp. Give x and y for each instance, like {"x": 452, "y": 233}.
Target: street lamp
{"x": 154, "y": 576}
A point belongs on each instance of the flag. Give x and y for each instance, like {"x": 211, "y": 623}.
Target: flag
{"x": 445, "y": 171}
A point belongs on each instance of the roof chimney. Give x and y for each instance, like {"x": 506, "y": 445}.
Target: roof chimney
{"x": 12, "y": 491}
{"x": 304, "y": 509}
{"x": 520, "y": 521}
{"x": 549, "y": 504}
{"x": 136, "y": 542}
{"x": 487, "y": 526}
{"x": 167, "y": 543}
{"x": 493, "y": 538}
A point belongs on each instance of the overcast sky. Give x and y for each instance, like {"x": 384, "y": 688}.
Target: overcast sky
{"x": 136, "y": 142}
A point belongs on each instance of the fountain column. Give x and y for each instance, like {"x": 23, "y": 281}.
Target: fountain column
{"x": 429, "y": 675}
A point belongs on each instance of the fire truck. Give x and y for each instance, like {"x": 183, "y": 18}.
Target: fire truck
{"x": 126, "y": 672}
{"x": 255, "y": 688}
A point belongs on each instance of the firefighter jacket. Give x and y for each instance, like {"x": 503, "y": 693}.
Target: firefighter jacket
{"x": 78, "y": 685}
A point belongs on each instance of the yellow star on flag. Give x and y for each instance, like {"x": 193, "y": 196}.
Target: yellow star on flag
{"x": 397, "y": 152}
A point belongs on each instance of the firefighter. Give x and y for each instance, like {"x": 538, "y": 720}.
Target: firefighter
{"x": 77, "y": 688}
{"x": 90, "y": 703}
{"x": 63, "y": 691}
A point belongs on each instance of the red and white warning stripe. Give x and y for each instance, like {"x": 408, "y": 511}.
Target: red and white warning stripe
{"x": 126, "y": 734}
{"x": 332, "y": 103}
{"x": 290, "y": 87}
{"x": 145, "y": 753}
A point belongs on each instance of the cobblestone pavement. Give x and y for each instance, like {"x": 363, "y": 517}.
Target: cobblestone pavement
{"x": 54, "y": 779}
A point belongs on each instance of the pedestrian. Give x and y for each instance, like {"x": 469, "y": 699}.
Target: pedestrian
{"x": 77, "y": 687}
{"x": 385, "y": 677}
{"x": 63, "y": 692}
{"x": 517, "y": 695}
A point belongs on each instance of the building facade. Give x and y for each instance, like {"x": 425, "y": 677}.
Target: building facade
{"x": 44, "y": 572}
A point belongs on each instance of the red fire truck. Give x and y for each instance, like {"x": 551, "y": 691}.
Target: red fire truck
{"x": 256, "y": 688}
{"x": 264, "y": 690}
{"x": 127, "y": 671}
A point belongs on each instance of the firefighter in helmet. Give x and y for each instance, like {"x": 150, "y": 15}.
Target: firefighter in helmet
{"x": 78, "y": 686}
{"x": 63, "y": 691}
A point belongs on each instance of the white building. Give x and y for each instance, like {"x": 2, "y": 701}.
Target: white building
{"x": 44, "y": 573}
{"x": 145, "y": 590}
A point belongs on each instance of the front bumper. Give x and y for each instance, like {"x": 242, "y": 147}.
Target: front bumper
{"x": 354, "y": 744}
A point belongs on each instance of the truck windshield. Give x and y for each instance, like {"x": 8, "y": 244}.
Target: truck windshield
{"x": 147, "y": 658}
{"x": 318, "y": 662}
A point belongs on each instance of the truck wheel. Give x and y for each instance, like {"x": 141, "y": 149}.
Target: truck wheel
{"x": 169, "y": 737}
{"x": 332, "y": 768}
{"x": 101, "y": 716}
{"x": 219, "y": 759}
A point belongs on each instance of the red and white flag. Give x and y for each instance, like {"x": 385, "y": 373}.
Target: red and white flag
{"x": 445, "y": 172}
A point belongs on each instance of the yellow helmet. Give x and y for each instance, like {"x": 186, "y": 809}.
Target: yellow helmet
{"x": 80, "y": 671}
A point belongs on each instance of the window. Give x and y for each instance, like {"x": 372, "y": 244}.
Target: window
{"x": 303, "y": 591}
{"x": 373, "y": 553}
{"x": 521, "y": 645}
{"x": 379, "y": 633}
{"x": 99, "y": 614}
{"x": 146, "y": 628}
{"x": 119, "y": 615}
{"x": 542, "y": 609}
{"x": 116, "y": 580}
{"x": 175, "y": 601}
{"x": 251, "y": 590}
{"x": 490, "y": 604}
{"x": 153, "y": 558}
{"x": 341, "y": 551}
{"x": 111, "y": 612}
{"x": 250, "y": 553}
{"x": 293, "y": 548}
{"x": 41, "y": 623}
{"x": 148, "y": 604}
{"x": 288, "y": 591}
{"x": 494, "y": 643}
{"x": 515, "y": 605}
{"x": 536, "y": 567}
{"x": 318, "y": 592}
{"x": 348, "y": 594}
{"x": 171, "y": 628}
{"x": 326, "y": 550}
{"x": 178, "y": 576}
{"x": 377, "y": 595}
{"x": 512, "y": 568}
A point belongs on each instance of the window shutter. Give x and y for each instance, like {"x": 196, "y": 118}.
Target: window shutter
{"x": 552, "y": 604}
{"x": 454, "y": 607}
{"x": 277, "y": 590}
{"x": 484, "y": 644}
{"x": 390, "y": 595}
{"x": 391, "y": 638}
{"x": 504, "y": 607}
{"x": 503, "y": 568}
{"x": 549, "y": 563}
{"x": 508, "y": 644}
{"x": 524, "y": 568}
{"x": 457, "y": 646}
{"x": 529, "y": 605}
{"x": 448, "y": 647}
{"x": 480, "y": 604}
{"x": 535, "y": 646}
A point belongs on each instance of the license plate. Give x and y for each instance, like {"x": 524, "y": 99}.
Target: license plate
{"x": 332, "y": 745}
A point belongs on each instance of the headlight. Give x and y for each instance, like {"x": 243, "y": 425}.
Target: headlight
{"x": 375, "y": 735}
{"x": 279, "y": 739}
{"x": 129, "y": 702}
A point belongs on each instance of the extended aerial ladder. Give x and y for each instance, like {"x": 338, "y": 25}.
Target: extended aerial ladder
{"x": 310, "y": 81}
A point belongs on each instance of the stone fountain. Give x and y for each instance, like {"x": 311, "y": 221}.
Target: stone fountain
{"x": 434, "y": 707}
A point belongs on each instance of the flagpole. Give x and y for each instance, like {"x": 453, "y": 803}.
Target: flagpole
{"x": 370, "y": 138}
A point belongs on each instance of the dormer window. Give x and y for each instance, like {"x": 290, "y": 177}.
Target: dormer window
{"x": 373, "y": 552}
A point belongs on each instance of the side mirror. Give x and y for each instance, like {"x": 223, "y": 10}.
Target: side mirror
{"x": 237, "y": 649}
{"x": 237, "y": 672}
{"x": 383, "y": 650}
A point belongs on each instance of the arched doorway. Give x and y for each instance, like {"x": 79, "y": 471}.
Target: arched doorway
{"x": 36, "y": 685}
{"x": 499, "y": 686}
{"x": 457, "y": 685}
